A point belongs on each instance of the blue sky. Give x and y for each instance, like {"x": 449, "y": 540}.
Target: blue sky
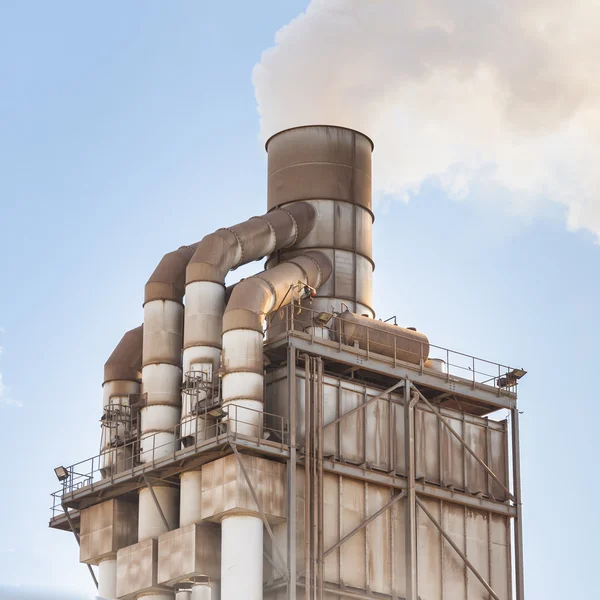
{"x": 129, "y": 129}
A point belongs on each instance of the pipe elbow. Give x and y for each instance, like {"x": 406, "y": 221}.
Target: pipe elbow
{"x": 214, "y": 257}
{"x": 125, "y": 362}
{"x": 253, "y": 298}
{"x": 167, "y": 282}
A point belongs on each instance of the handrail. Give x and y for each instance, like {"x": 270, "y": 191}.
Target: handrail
{"x": 101, "y": 467}
{"x": 478, "y": 371}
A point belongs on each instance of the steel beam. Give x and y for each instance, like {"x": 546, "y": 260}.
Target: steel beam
{"x": 364, "y": 523}
{"x": 284, "y": 572}
{"x": 365, "y": 404}
{"x": 461, "y": 387}
{"x": 463, "y": 443}
{"x": 410, "y": 541}
{"x": 291, "y": 476}
{"x": 516, "y": 460}
{"x": 469, "y": 564}
{"x": 157, "y": 504}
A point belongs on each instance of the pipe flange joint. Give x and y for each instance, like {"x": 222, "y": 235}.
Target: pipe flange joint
{"x": 291, "y": 216}
{"x": 319, "y": 269}
{"x": 240, "y": 245}
{"x": 273, "y": 235}
{"x": 273, "y": 292}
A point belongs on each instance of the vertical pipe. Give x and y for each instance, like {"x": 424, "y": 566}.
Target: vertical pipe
{"x": 320, "y": 477}
{"x": 242, "y": 557}
{"x": 315, "y": 483}
{"x": 153, "y": 522}
{"x": 107, "y": 579}
{"x": 518, "y": 505}
{"x": 291, "y": 474}
{"x": 307, "y": 479}
{"x": 190, "y": 500}
{"x": 204, "y": 591}
{"x": 411, "y": 505}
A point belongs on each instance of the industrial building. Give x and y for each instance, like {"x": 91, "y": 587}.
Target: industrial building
{"x": 274, "y": 439}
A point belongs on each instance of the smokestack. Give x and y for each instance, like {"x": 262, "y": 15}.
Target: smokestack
{"x": 330, "y": 169}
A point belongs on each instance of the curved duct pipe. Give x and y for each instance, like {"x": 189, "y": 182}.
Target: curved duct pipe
{"x": 251, "y": 301}
{"x": 122, "y": 377}
{"x": 216, "y": 255}
{"x": 162, "y": 343}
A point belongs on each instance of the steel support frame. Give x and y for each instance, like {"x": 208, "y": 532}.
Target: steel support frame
{"x": 462, "y": 387}
{"x": 410, "y": 542}
{"x": 291, "y": 476}
{"x": 518, "y": 520}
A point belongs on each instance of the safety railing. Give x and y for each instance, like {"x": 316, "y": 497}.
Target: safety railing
{"x": 393, "y": 347}
{"x": 236, "y": 423}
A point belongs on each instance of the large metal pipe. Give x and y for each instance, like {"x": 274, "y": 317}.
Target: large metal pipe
{"x": 206, "y": 590}
{"x": 216, "y": 255}
{"x": 107, "y": 579}
{"x": 251, "y": 301}
{"x": 151, "y": 519}
{"x": 161, "y": 366}
{"x": 330, "y": 168}
{"x": 387, "y": 339}
{"x": 190, "y": 507}
{"x": 122, "y": 378}
{"x": 242, "y": 557}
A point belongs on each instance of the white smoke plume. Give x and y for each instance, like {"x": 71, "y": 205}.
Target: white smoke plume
{"x": 479, "y": 96}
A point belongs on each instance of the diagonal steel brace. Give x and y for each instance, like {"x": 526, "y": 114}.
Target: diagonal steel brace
{"x": 464, "y": 444}
{"x": 70, "y": 522}
{"x": 158, "y": 506}
{"x": 365, "y": 404}
{"x": 469, "y": 564}
{"x": 365, "y": 523}
{"x": 260, "y": 510}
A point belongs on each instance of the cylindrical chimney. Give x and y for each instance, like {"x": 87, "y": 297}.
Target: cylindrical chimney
{"x": 329, "y": 167}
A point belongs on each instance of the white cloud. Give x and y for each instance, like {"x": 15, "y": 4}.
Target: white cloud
{"x": 472, "y": 94}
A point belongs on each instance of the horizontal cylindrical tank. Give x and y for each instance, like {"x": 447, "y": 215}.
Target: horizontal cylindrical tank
{"x": 382, "y": 338}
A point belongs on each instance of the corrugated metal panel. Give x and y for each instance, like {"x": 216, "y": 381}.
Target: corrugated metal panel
{"x": 367, "y": 437}
{"x": 374, "y": 558}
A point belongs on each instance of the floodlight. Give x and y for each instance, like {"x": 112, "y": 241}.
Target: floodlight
{"x": 511, "y": 378}
{"x": 323, "y": 318}
{"x": 61, "y": 473}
